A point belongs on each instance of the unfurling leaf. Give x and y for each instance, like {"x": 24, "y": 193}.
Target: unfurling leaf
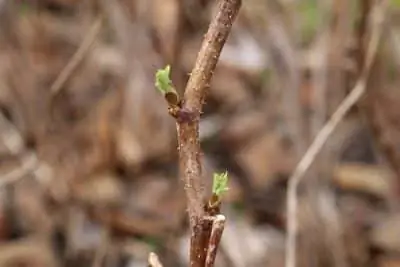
{"x": 164, "y": 85}
{"x": 163, "y": 81}
{"x": 220, "y": 183}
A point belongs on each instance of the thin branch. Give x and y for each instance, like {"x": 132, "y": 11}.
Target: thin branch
{"x": 101, "y": 251}
{"x": 12, "y": 138}
{"x": 14, "y": 142}
{"x": 373, "y": 112}
{"x": 194, "y": 97}
{"x": 188, "y": 126}
{"x": 29, "y": 165}
{"x": 377, "y": 18}
{"x": 286, "y": 66}
{"x": 154, "y": 261}
{"x": 209, "y": 53}
{"x": 199, "y": 241}
{"x": 77, "y": 57}
{"x": 215, "y": 237}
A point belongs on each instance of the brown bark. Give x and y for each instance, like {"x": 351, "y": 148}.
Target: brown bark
{"x": 188, "y": 126}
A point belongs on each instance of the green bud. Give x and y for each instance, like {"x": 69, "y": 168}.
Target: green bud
{"x": 220, "y": 183}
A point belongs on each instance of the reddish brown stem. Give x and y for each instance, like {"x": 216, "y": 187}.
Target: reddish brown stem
{"x": 196, "y": 88}
{"x": 188, "y": 130}
{"x": 199, "y": 241}
{"x": 215, "y": 237}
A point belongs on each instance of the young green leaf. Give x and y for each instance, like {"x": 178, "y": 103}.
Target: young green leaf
{"x": 163, "y": 81}
{"x": 220, "y": 183}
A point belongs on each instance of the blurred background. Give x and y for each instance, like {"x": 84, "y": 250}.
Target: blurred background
{"x": 88, "y": 159}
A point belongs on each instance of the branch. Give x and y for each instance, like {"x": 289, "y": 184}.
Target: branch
{"x": 188, "y": 117}
{"x": 187, "y": 112}
{"x": 154, "y": 261}
{"x": 77, "y": 58}
{"x": 377, "y": 18}
{"x": 194, "y": 97}
{"x": 215, "y": 237}
{"x": 29, "y": 164}
{"x": 101, "y": 251}
{"x": 14, "y": 142}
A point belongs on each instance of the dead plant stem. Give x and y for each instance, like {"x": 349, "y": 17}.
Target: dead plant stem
{"x": 357, "y": 92}
{"x": 77, "y": 58}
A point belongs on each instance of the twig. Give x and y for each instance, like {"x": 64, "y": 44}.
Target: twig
{"x": 194, "y": 97}
{"x": 215, "y": 237}
{"x": 13, "y": 141}
{"x": 187, "y": 112}
{"x": 377, "y": 18}
{"x": 77, "y": 57}
{"x": 199, "y": 241}
{"x": 188, "y": 129}
{"x": 328, "y": 77}
{"x": 29, "y": 165}
{"x": 26, "y": 250}
{"x": 101, "y": 251}
{"x": 154, "y": 261}
{"x": 372, "y": 110}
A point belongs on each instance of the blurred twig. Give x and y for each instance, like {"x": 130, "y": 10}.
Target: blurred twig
{"x": 284, "y": 58}
{"x": 77, "y": 57}
{"x": 27, "y": 251}
{"x": 29, "y": 165}
{"x": 154, "y": 261}
{"x": 329, "y": 85}
{"x": 101, "y": 251}
{"x": 377, "y": 18}
{"x": 13, "y": 141}
{"x": 373, "y": 107}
